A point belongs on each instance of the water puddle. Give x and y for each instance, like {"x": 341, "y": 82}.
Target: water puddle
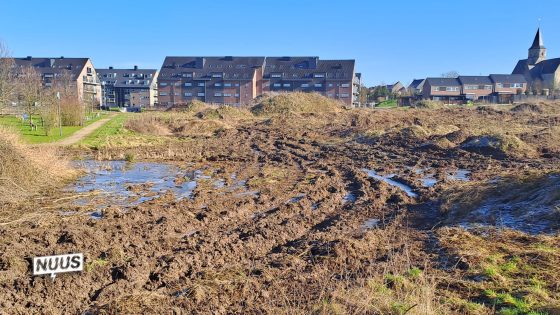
{"x": 129, "y": 184}
{"x": 371, "y": 224}
{"x": 296, "y": 199}
{"x": 387, "y": 179}
{"x": 459, "y": 175}
{"x": 350, "y": 197}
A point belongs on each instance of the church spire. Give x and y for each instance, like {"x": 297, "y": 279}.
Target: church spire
{"x": 537, "y": 52}
{"x": 538, "y": 42}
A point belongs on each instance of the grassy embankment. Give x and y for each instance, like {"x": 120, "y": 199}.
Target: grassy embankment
{"x": 38, "y": 136}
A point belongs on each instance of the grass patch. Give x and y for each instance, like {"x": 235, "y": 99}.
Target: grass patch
{"x": 387, "y": 104}
{"x": 38, "y": 136}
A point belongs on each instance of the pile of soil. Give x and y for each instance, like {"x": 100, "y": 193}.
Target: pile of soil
{"x": 296, "y": 103}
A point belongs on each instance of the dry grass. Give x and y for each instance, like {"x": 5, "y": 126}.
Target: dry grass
{"x": 25, "y": 171}
{"x": 295, "y": 103}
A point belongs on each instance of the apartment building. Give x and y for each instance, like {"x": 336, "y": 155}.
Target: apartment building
{"x": 128, "y": 87}
{"x": 221, "y": 80}
{"x": 238, "y": 80}
{"x": 76, "y": 73}
{"x": 495, "y": 88}
{"x": 330, "y": 78}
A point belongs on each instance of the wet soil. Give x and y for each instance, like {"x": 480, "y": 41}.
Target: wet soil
{"x": 283, "y": 213}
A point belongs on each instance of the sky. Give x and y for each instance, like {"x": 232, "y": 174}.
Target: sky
{"x": 390, "y": 40}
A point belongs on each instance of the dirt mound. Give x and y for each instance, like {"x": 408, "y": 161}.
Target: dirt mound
{"x": 527, "y": 204}
{"x": 429, "y": 104}
{"x": 223, "y": 112}
{"x": 527, "y": 108}
{"x": 205, "y": 128}
{"x": 498, "y": 145}
{"x": 25, "y": 171}
{"x": 151, "y": 125}
{"x": 458, "y": 136}
{"x": 296, "y": 103}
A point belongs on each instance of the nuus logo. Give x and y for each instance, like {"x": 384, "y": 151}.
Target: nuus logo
{"x": 57, "y": 264}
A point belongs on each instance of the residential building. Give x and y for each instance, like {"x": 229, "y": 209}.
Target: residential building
{"x": 476, "y": 88}
{"x": 330, "y": 78}
{"x": 396, "y": 88}
{"x": 128, "y": 87}
{"x": 238, "y": 80}
{"x": 356, "y": 89}
{"x": 543, "y": 75}
{"x": 77, "y": 73}
{"x": 496, "y": 88}
{"x": 221, "y": 80}
{"x": 506, "y": 86}
{"x": 443, "y": 89}
{"x": 416, "y": 86}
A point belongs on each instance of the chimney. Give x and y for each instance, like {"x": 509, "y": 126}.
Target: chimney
{"x": 111, "y": 68}
{"x": 135, "y": 68}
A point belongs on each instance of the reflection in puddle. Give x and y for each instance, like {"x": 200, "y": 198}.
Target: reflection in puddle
{"x": 295, "y": 199}
{"x": 129, "y": 184}
{"x": 371, "y": 224}
{"x": 387, "y": 179}
{"x": 350, "y": 197}
{"x": 459, "y": 175}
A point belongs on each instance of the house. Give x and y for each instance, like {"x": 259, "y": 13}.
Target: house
{"x": 396, "y": 88}
{"x": 416, "y": 86}
{"x": 543, "y": 75}
{"x": 76, "y": 73}
{"x": 443, "y": 89}
{"x": 128, "y": 87}
{"x": 476, "y": 88}
{"x": 330, "y": 78}
{"x": 238, "y": 80}
{"x": 506, "y": 86}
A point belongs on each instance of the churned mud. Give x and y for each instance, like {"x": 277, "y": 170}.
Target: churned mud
{"x": 344, "y": 212}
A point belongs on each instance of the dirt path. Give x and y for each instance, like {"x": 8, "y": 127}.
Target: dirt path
{"x": 84, "y": 132}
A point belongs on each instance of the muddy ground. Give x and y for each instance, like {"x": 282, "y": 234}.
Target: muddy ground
{"x": 284, "y": 219}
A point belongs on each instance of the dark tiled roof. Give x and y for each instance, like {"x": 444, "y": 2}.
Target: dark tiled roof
{"x": 548, "y": 66}
{"x": 415, "y": 83}
{"x": 475, "y": 80}
{"x": 238, "y": 68}
{"x": 53, "y": 65}
{"x": 508, "y": 78}
{"x": 521, "y": 67}
{"x": 443, "y": 81}
{"x": 305, "y": 67}
{"x": 133, "y": 78}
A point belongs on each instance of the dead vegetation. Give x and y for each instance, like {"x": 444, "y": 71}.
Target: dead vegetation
{"x": 25, "y": 171}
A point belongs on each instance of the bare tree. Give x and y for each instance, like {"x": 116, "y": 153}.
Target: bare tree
{"x": 7, "y": 86}
{"x": 450, "y": 74}
{"x": 29, "y": 89}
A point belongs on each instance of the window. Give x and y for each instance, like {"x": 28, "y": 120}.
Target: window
{"x": 499, "y": 85}
{"x": 177, "y": 84}
{"x": 217, "y": 94}
{"x": 176, "y": 93}
{"x": 218, "y": 84}
{"x": 163, "y": 93}
{"x": 517, "y": 85}
{"x": 188, "y": 94}
{"x": 471, "y": 87}
{"x": 200, "y": 84}
{"x": 276, "y": 75}
{"x": 236, "y": 95}
{"x": 488, "y": 87}
{"x": 188, "y": 84}
{"x": 330, "y": 85}
{"x": 345, "y": 85}
{"x": 227, "y": 84}
{"x": 305, "y": 85}
{"x": 330, "y": 95}
{"x": 227, "y": 95}
{"x": 318, "y": 75}
{"x": 186, "y": 75}
{"x": 287, "y": 85}
{"x": 344, "y": 95}
{"x": 216, "y": 75}
{"x": 236, "y": 84}
{"x": 318, "y": 85}
{"x": 200, "y": 94}
{"x": 163, "y": 84}
{"x": 277, "y": 85}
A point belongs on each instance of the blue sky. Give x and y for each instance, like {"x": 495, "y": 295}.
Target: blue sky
{"x": 390, "y": 40}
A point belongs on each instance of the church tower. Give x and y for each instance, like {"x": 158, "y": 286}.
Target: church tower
{"x": 537, "y": 52}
